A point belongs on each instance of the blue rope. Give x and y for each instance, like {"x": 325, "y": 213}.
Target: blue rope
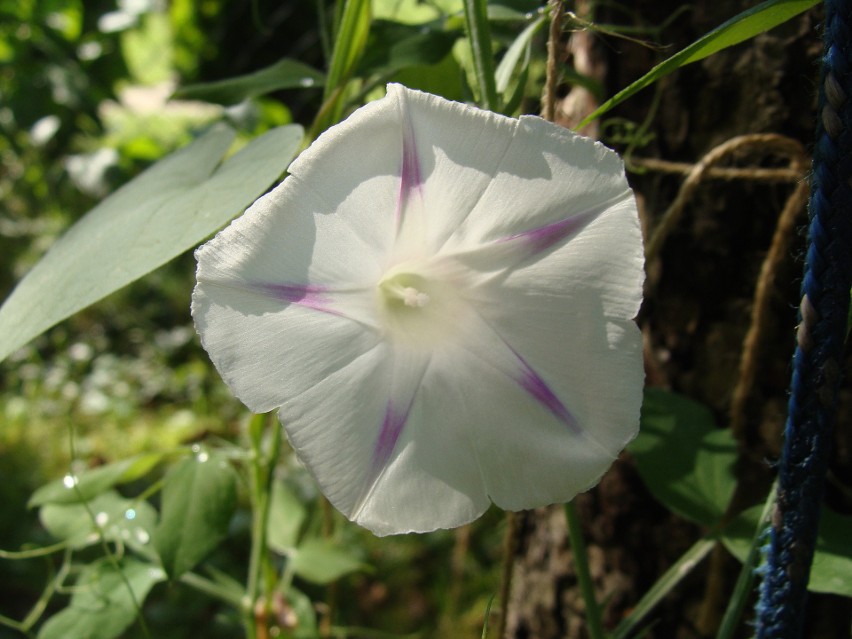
{"x": 822, "y": 330}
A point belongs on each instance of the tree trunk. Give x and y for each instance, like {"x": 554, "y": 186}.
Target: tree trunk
{"x": 696, "y": 314}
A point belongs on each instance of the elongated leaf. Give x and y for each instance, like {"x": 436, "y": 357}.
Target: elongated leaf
{"x": 479, "y": 35}
{"x": 168, "y": 209}
{"x": 350, "y": 43}
{"x": 103, "y": 606}
{"x": 664, "y": 585}
{"x": 520, "y": 47}
{"x": 320, "y": 561}
{"x": 747, "y": 24}
{"x": 832, "y": 565}
{"x": 94, "y": 482}
{"x": 284, "y": 74}
{"x": 199, "y": 498}
{"x": 684, "y": 460}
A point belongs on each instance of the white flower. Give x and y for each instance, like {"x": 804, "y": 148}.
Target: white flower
{"x": 439, "y": 300}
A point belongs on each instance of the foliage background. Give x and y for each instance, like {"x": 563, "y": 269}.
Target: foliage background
{"x": 85, "y": 107}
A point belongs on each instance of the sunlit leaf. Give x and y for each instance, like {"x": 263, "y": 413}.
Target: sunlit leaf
{"x": 686, "y": 462}
{"x": 199, "y": 498}
{"x": 747, "y": 24}
{"x": 518, "y": 49}
{"x": 83, "y": 486}
{"x": 109, "y": 516}
{"x": 284, "y": 74}
{"x": 349, "y": 44}
{"x": 105, "y": 601}
{"x": 168, "y": 209}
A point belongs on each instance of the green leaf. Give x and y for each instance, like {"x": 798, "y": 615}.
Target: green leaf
{"x": 168, "y": 209}
{"x": 103, "y": 606}
{"x": 684, "y": 460}
{"x": 479, "y": 35}
{"x": 286, "y": 515}
{"x": 124, "y": 521}
{"x": 284, "y": 74}
{"x": 394, "y": 46}
{"x": 747, "y": 24}
{"x": 94, "y": 482}
{"x": 832, "y": 565}
{"x": 349, "y": 45}
{"x": 320, "y": 561}
{"x": 199, "y": 499}
{"x": 520, "y": 47}
{"x": 306, "y": 616}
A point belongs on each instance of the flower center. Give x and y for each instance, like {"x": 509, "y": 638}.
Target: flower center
{"x": 394, "y": 291}
{"x": 416, "y": 304}
{"x": 405, "y": 290}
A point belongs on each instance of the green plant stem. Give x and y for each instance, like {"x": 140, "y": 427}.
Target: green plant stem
{"x": 11, "y": 623}
{"x": 479, "y": 35}
{"x": 742, "y": 589}
{"x": 262, "y": 472}
{"x": 34, "y": 552}
{"x": 594, "y": 622}
{"x": 211, "y": 588}
{"x": 110, "y": 555}
{"x": 665, "y": 584}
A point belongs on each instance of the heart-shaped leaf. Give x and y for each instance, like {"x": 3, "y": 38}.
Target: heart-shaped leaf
{"x": 157, "y": 216}
{"x": 199, "y": 498}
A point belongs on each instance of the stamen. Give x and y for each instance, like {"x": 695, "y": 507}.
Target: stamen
{"x": 413, "y": 297}
{"x": 395, "y": 288}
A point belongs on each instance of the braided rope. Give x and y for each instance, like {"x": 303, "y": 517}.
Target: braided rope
{"x": 820, "y": 338}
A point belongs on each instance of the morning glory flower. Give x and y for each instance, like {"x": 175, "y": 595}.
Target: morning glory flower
{"x": 439, "y": 300}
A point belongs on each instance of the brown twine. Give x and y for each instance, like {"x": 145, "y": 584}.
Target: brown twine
{"x": 718, "y": 173}
{"x": 548, "y": 98}
{"x": 765, "y": 144}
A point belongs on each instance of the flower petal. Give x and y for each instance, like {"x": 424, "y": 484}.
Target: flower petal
{"x": 378, "y": 457}
{"x": 487, "y": 177}
{"x": 440, "y": 301}
{"x": 576, "y": 328}
{"x": 257, "y": 342}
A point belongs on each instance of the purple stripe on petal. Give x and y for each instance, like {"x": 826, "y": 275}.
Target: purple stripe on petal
{"x": 308, "y": 295}
{"x": 536, "y": 387}
{"x": 392, "y": 426}
{"x": 543, "y": 237}
{"x": 531, "y": 382}
{"x": 410, "y": 179}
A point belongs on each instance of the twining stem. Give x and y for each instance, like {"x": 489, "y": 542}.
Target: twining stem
{"x": 557, "y": 14}
{"x": 594, "y": 620}
{"x": 262, "y": 473}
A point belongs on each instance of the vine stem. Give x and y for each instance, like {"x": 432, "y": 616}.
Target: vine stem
{"x": 262, "y": 472}
{"x": 594, "y": 619}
